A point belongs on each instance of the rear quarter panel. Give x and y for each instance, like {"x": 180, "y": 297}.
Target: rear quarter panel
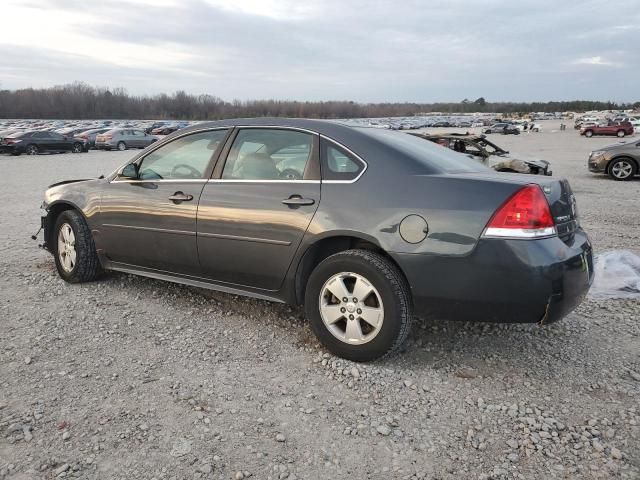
{"x": 455, "y": 208}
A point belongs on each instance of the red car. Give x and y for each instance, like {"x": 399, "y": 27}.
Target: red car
{"x": 618, "y": 129}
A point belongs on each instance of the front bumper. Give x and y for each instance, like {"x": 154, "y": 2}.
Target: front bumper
{"x": 597, "y": 164}
{"x": 508, "y": 281}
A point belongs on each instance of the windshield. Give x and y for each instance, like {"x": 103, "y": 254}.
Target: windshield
{"x": 425, "y": 151}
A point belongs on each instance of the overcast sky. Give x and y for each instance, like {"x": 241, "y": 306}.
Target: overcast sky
{"x": 363, "y": 50}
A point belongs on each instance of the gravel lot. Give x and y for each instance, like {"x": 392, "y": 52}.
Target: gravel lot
{"x": 130, "y": 378}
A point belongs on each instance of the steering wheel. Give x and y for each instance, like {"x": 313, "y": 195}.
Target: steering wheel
{"x": 290, "y": 174}
{"x": 193, "y": 173}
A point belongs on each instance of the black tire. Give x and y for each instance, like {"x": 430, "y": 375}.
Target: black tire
{"x": 87, "y": 266}
{"x": 31, "y": 149}
{"x": 619, "y": 166}
{"x": 394, "y": 292}
{"x": 122, "y": 146}
{"x": 588, "y": 133}
{"x": 77, "y": 148}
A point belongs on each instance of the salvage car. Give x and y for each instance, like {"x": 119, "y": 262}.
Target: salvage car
{"x": 504, "y": 128}
{"x": 33, "y": 143}
{"x": 621, "y": 161}
{"x": 123, "y": 138}
{"x": 611, "y": 128}
{"x": 487, "y": 152}
{"x": 362, "y": 226}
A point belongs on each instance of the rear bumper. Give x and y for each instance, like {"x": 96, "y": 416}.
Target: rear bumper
{"x": 11, "y": 149}
{"x": 508, "y": 281}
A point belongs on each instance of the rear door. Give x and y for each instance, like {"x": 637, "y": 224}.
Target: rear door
{"x": 150, "y": 221}
{"x": 60, "y": 142}
{"x": 254, "y": 212}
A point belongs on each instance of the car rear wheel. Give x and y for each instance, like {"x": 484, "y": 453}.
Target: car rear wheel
{"x": 77, "y": 148}
{"x": 359, "y": 305}
{"x": 588, "y": 133}
{"x": 621, "y": 133}
{"x": 74, "y": 250}
{"x": 622, "y": 169}
{"x": 32, "y": 150}
{"x": 122, "y": 146}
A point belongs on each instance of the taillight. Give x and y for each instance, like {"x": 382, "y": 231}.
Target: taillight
{"x": 526, "y": 214}
{"x": 11, "y": 141}
{"x": 84, "y": 136}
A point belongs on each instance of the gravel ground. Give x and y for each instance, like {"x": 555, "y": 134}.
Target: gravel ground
{"x": 130, "y": 378}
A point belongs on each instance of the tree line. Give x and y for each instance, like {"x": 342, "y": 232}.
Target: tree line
{"x": 82, "y": 101}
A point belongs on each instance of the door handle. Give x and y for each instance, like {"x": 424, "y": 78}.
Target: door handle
{"x": 179, "y": 197}
{"x": 297, "y": 200}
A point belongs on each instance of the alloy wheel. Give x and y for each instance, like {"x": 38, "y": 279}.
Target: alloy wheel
{"x": 32, "y": 150}
{"x": 351, "y": 308}
{"x": 622, "y": 169}
{"x": 77, "y": 148}
{"x": 67, "y": 247}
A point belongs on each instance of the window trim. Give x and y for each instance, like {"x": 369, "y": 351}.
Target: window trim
{"x": 213, "y": 160}
{"x": 351, "y": 152}
{"x": 311, "y": 171}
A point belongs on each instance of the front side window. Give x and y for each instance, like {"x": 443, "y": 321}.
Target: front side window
{"x": 338, "y": 164}
{"x": 183, "y": 158}
{"x": 268, "y": 154}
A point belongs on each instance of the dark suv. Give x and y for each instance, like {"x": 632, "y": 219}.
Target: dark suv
{"x": 621, "y": 160}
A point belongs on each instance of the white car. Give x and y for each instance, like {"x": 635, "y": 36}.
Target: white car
{"x": 636, "y": 124}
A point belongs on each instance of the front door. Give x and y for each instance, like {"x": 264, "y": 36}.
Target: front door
{"x": 150, "y": 221}
{"x": 252, "y": 218}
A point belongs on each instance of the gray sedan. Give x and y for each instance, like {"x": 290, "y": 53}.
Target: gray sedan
{"x": 123, "y": 138}
{"x": 362, "y": 226}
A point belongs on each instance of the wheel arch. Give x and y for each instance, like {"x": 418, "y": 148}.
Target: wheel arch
{"x": 54, "y": 210}
{"x": 327, "y": 246}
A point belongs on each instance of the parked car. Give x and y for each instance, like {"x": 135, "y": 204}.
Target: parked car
{"x": 165, "y": 130}
{"x": 33, "y": 143}
{"x": 123, "y": 138}
{"x": 488, "y": 153}
{"x": 504, "y": 128}
{"x": 236, "y": 206}
{"x": 618, "y": 129}
{"x": 90, "y": 135}
{"x": 621, "y": 161}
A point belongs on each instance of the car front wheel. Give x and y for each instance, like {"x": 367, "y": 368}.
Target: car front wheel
{"x": 74, "y": 250}
{"x": 588, "y": 133}
{"x": 621, "y": 133}
{"x": 122, "y": 146}
{"x": 622, "y": 169}
{"x": 77, "y": 148}
{"x": 359, "y": 305}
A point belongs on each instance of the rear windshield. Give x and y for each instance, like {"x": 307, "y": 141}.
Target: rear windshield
{"x": 428, "y": 153}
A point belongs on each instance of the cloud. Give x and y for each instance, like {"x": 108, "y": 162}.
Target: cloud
{"x": 597, "y": 60}
{"x": 324, "y": 49}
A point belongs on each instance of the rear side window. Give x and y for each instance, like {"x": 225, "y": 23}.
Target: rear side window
{"x": 268, "y": 154}
{"x": 339, "y": 164}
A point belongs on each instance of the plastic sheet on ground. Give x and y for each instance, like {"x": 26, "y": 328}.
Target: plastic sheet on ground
{"x": 617, "y": 275}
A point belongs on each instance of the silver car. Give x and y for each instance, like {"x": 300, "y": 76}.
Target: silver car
{"x": 123, "y": 138}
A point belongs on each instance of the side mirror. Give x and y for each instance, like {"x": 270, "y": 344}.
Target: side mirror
{"x": 129, "y": 171}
